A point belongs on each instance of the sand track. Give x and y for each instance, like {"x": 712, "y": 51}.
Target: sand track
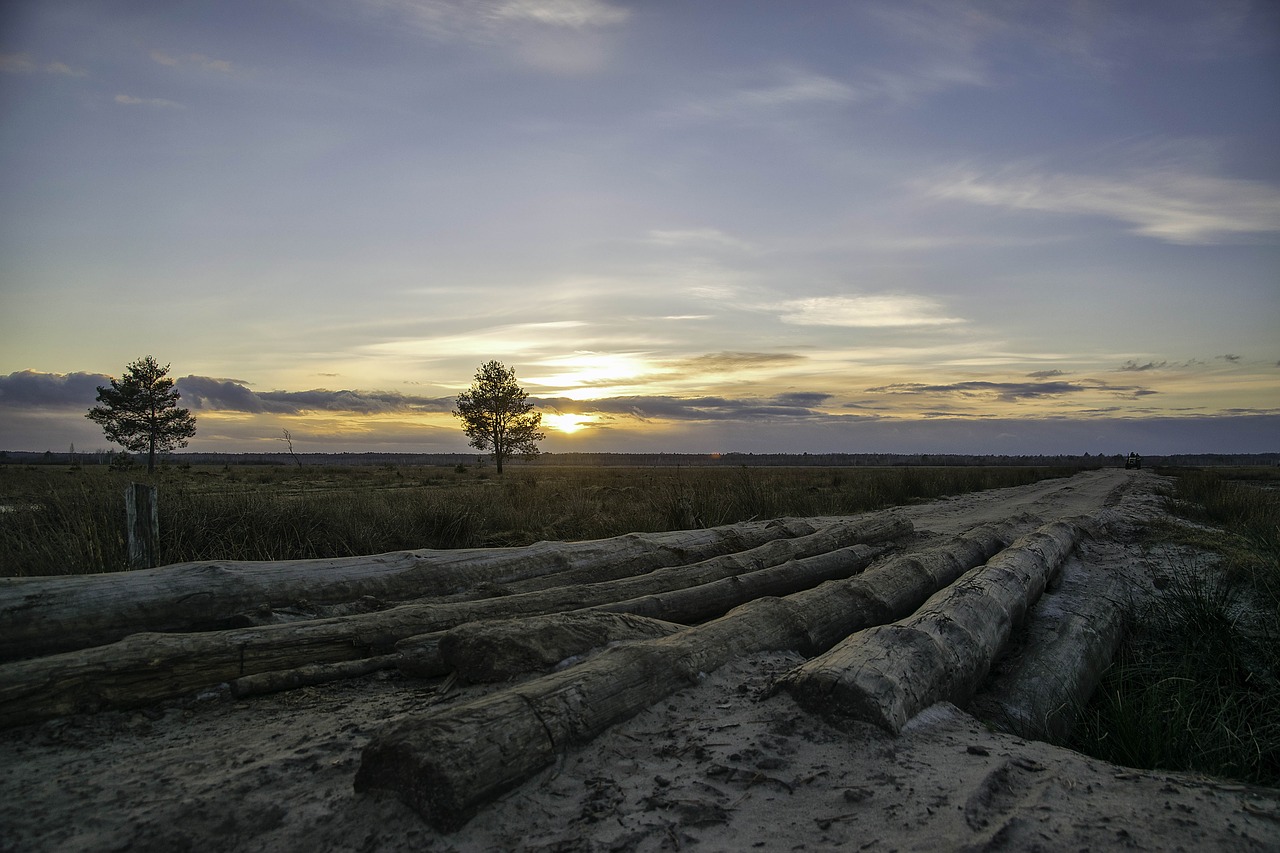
{"x": 727, "y": 764}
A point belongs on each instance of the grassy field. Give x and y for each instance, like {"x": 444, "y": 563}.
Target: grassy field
{"x": 66, "y": 520}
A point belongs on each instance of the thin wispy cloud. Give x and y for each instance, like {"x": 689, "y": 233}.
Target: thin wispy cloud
{"x": 22, "y": 63}
{"x": 560, "y": 36}
{"x": 730, "y": 362}
{"x": 874, "y": 311}
{"x": 696, "y": 238}
{"x": 1173, "y": 206}
{"x": 221, "y": 66}
{"x": 796, "y": 405}
{"x": 158, "y": 103}
{"x": 1009, "y": 392}
{"x": 562, "y": 13}
{"x": 515, "y": 339}
{"x": 783, "y": 89}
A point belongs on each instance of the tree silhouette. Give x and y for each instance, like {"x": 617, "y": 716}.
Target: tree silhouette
{"x": 140, "y": 411}
{"x": 497, "y": 415}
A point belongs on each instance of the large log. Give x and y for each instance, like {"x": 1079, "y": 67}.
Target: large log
{"x": 437, "y": 654}
{"x": 316, "y": 673}
{"x": 446, "y": 765}
{"x": 705, "y": 601}
{"x": 497, "y": 649}
{"x": 887, "y": 674}
{"x": 1071, "y": 637}
{"x": 43, "y": 615}
{"x": 146, "y": 667}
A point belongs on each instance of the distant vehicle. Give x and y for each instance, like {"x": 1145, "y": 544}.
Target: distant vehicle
{"x": 1134, "y": 461}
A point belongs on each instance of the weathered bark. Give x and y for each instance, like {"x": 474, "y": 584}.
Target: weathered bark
{"x": 43, "y": 615}
{"x": 317, "y": 673}
{"x": 419, "y": 656}
{"x": 692, "y": 604}
{"x": 498, "y": 649}
{"x": 445, "y": 765}
{"x": 148, "y": 666}
{"x": 1072, "y": 635}
{"x": 706, "y": 601}
{"x": 889, "y": 673}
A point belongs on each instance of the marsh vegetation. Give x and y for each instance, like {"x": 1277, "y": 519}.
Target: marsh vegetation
{"x": 71, "y": 520}
{"x": 1196, "y": 684}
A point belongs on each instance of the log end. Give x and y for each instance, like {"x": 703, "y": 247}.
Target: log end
{"x": 446, "y": 765}
{"x": 875, "y": 676}
{"x": 394, "y": 763}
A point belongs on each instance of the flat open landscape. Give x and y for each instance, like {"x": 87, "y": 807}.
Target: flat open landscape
{"x": 732, "y": 760}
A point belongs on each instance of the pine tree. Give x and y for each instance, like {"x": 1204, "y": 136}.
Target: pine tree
{"x": 497, "y": 415}
{"x": 140, "y": 411}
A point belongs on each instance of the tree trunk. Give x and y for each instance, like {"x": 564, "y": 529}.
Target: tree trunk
{"x": 497, "y": 649}
{"x": 889, "y": 673}
{"x": 432, "y": 655}
{"x": 1072, "y": 636}
{"x": 706, "y": 601}
{"x": 145, "y": 667}
{"x": 42, "y": 615}
{"x": 447, "y": 764}
{"x": 316, "y": 673}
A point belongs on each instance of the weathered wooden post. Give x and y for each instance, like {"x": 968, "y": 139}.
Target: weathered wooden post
{"x": 143, "y": 520}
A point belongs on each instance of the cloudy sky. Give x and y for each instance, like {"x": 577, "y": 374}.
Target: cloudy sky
{"x": 997, "y": 227}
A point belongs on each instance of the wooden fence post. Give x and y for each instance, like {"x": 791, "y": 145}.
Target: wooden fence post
{"x": 141, "y": 508}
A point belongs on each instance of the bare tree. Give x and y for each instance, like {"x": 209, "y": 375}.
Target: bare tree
{"x": 287, "y": 438}
{"x": 497, "y": 415}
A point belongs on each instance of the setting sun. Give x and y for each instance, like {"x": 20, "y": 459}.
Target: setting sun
{"x": 567, "y": 423}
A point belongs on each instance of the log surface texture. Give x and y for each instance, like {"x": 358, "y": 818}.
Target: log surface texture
{"x": 445, "y": 765}
{"x": 889, "y": 673}
{"x": 145, "y": 667}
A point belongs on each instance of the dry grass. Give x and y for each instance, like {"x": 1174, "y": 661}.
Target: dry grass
{"x": 1196, "y": 685}
{"x": 69, "y": 521}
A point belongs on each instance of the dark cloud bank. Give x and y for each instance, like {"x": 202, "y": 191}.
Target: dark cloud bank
{"x": 31, "y": 390}
{"x": 40, "y": 411}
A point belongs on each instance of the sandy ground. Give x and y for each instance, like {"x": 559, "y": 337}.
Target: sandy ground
{"x": 723, "y": 765}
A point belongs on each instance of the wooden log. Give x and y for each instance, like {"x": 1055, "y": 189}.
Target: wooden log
{"x": 887, "y": 674}
{"x": 317, "y": 673}
{"x": 705, "y": 601}
{"x": 43, "y": 615}
{"x": 692, "y": 604}
{"x": 446, "y": 765}
{"x": 1072, "y": 635}
{"x": 146, "y": 667}
{"x": 497, "y": 649}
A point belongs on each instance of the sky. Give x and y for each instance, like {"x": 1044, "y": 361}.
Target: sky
{"x": 893, "y": 227}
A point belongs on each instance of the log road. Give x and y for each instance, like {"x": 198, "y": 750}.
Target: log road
{"x": 895, "y": 611}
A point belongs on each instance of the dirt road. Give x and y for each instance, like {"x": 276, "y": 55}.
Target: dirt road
{"x": 728, "y": 764}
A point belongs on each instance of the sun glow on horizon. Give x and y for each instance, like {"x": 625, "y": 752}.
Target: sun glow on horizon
{"x": 568, "y": 423}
